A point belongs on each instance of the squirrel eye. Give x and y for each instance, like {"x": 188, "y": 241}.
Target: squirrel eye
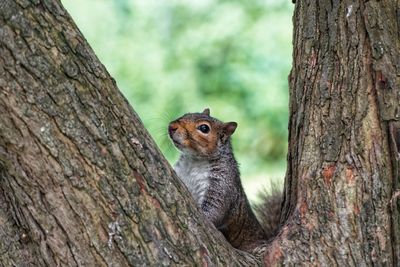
{"x": 204, "y": 128}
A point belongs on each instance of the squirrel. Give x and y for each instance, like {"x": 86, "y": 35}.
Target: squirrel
{"x": 210, "y": 171}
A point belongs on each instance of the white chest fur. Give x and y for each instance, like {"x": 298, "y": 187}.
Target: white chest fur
{"x": 195, "y": 175}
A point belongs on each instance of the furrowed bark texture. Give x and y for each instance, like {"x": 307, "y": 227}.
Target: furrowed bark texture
{"x": 81, "y": 181}
{"x": 341, "y": 203}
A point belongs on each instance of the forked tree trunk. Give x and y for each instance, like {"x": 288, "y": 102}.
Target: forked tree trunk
{"x": 341, "y": 203}
{"x": 82, "y": 183}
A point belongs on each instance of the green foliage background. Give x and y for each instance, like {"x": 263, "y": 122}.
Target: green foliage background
{"x": 173, "y": 57}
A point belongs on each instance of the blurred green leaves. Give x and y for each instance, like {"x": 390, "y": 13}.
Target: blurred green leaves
{"x": 173, "y": 57}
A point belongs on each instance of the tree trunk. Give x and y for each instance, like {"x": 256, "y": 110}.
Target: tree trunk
{"x": 81, "y": 181}
{"x": 83, "y": 184}
{"x": 341, "y": 203}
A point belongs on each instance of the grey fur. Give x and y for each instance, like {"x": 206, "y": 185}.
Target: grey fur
{"x": 214, "y": 182}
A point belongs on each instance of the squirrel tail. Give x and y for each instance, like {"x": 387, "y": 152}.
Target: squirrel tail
{"x": 269, "y": 211}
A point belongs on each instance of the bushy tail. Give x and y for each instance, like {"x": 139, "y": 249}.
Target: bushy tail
{"x": 269, "y": 211}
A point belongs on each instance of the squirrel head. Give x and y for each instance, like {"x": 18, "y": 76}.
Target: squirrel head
{"x": 200, "y": 135}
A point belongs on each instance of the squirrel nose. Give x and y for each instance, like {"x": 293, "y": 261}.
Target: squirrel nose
{"x": 172, "y": 129}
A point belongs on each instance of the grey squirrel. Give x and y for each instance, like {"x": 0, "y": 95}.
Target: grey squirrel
{"x": 208, "y": 168}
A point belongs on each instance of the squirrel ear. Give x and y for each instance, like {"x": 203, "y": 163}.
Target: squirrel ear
{"x": 228, "y": 130}
{"x": 206, "y": 111}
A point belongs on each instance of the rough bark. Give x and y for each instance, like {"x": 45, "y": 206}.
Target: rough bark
{"x": 81, "y": 181}
{"x": 341, "y": 203}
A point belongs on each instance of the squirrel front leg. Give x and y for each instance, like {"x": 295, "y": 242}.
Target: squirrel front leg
{"x": 215, "y": 206}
